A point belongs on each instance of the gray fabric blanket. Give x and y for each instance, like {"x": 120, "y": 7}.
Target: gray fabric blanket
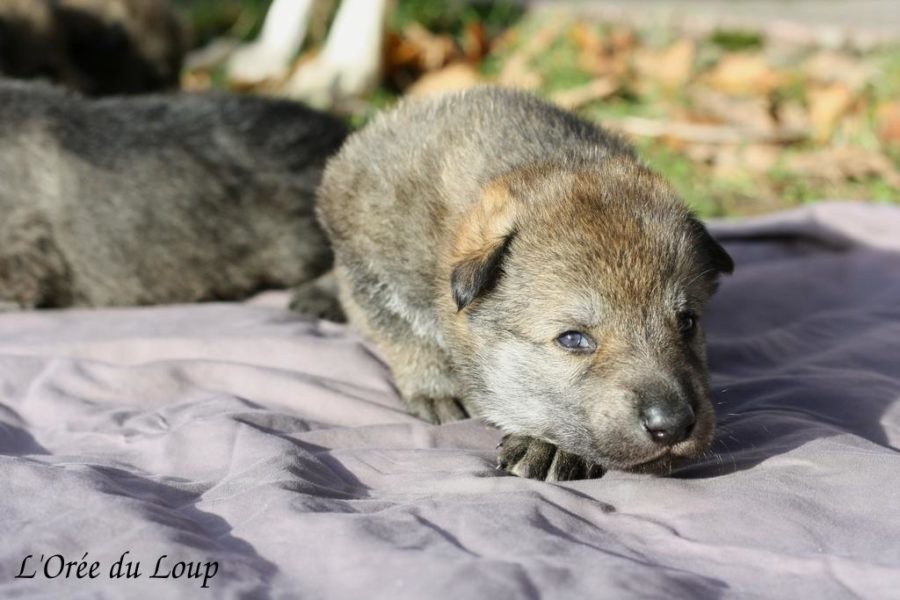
{"x": 262, "y": 455}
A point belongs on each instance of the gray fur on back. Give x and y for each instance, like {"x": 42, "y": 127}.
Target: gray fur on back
{"x": 442, "y": 135}
{"x": 157, "y": 199}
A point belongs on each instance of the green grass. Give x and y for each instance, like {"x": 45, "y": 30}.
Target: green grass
{"x": 213, "y": 18}
{"x": 452, "y": 16}
{"x": 887, "y": 77}
{"x": 734, "y": 40}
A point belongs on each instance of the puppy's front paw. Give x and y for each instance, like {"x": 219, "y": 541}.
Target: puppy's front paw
{"x": 536, "y": 459}
{"x": 437, "y": 410}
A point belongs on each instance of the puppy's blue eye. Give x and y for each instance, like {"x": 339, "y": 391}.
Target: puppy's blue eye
{"x": 687, "y": 323}
{"x": 575, "y": 340}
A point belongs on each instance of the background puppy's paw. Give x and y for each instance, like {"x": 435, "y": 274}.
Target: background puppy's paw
{"x": 255, "y": 63}
{"x": 6, "y": 307}
{"x": 437, "y": 410}
{"x": 309, "y": 299}
{"x": 536, "y": 459}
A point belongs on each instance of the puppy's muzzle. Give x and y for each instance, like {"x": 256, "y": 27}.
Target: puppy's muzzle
{"x": 666, "y": 425}
{"x": 664, "y": 415}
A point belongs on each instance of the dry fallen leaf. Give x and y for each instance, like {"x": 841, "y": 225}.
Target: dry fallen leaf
{"x": 829, "y": 67}
{"x": 671, "y": 67}
{"x": 588, "y": 39}
{"x": 575, "y": 98}
{"x": 887, "y": 117}
{"x": 600, "y": 55}
{"x": 737, "y": 161}
{"x": 760, "y": 158}
{"x": 727, "y": 163}
{"x": 623, "y": 39}
{"x": 826, "y": 107}
{"x": 419, "y": 49}
{"x": 475, "y": 42}
{"x": 704, "y": 154}
{"x": 792, "y": 116}
{"x": 455, "y": 77}
{"x": 743, "y": 73}
{"x": 845, "y": 163}
{"x": 699, "y": 133}
{"x": 751, "y": 113}
{"x": 517, "y": 72}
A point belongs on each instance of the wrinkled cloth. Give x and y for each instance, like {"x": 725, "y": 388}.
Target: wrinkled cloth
{"x": 276, "y": 447}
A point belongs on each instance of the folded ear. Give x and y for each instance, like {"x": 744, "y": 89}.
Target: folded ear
{"x": 719, "y": 259}
{"x": 481, "y": 243}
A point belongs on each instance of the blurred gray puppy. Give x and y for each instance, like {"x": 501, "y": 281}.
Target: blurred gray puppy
{"x": 516, "y": 262}
{"x": 157, "y": 199}
{"x": 97, "y": 47}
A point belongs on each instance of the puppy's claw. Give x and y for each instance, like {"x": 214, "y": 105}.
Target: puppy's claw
{"x": 536, "y": 459}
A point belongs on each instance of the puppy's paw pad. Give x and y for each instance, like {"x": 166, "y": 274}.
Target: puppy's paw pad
{"x": 532, "y": 458}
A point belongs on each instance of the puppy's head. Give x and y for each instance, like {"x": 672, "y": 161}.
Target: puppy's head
{"x": 578, "y": 298}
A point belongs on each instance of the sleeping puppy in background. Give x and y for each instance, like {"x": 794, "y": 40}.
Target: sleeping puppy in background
{"x": 97, "y": 47}
{"x": 517, "y": 263}
{"x": 156, "y": 199}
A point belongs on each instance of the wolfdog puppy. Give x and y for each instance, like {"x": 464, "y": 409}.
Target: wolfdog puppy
{"x": 518, "y": 263}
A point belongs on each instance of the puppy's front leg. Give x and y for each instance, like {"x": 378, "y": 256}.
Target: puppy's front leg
{"x": 532, "y": 458}
{"x": 421, "y": 369}
{"x": 426, "y": 383}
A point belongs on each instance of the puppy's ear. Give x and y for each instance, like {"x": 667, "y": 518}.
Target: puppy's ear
{"x": 719, "y": 259}
{"x": 481, "y": 243}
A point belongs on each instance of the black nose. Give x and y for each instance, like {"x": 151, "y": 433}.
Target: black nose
{"x": 666, "y": 425}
